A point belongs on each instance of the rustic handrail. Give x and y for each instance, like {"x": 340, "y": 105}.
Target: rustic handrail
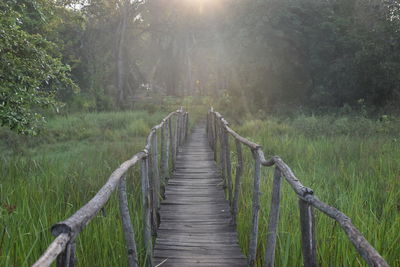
{"x": 218, "y": 129}
{"x": 62, "y": 248}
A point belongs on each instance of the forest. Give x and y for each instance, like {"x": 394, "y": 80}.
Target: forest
{"x": 104, "y": 55}
{"x": 83, "y": 82}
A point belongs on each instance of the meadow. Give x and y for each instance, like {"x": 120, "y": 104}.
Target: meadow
{"x": 45, "y": 179}
{"x": 351, "y": 162}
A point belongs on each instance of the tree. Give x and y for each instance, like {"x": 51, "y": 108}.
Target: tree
{"x": 31, "y": 72}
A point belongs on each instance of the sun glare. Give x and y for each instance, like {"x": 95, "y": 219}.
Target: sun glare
{"x": 203, "y": 6}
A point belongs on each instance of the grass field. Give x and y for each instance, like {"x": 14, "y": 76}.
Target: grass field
{"x": 351, "y": 163}
{"x": 45, "y": 179}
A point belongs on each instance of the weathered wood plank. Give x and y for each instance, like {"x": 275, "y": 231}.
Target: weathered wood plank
{"x": 196, "y": 227}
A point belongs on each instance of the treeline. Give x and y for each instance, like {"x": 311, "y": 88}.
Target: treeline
{"x": 99, "y": 55}
{"x": 318, "y": 54}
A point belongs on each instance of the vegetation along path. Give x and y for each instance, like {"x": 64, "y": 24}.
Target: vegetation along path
{"x": 196, "y": 224}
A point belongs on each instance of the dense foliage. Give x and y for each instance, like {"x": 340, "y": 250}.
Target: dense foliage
{"x": 260, "y": 55}
{"x": 31, "y": 71}
{"x": 319, "y": 53}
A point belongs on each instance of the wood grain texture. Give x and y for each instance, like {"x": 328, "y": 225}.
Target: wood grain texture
{"x": 196, "y": 228}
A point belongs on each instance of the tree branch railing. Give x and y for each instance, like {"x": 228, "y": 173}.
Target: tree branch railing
{"x": 172, "y": 132}
{"x": 218, "y": 130}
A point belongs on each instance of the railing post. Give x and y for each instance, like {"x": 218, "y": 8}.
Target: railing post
{"x": 146, "y": 211}
{"x": 183, "y": 128}
{"x": 256, "y": 208}
{"x": 239, "y": 170}
{"x": 208, "y": 127}
{"x": 68, "y": 257}
{"x": 172, "y": 141}
{"x": 186, "y": 126}
{"x": 228, "y": 165}
{"x": 167, "y": 147}
{"x": 129, "y": 234}
{"x": 155, "y": 179}
{"x": 273, "y": 219}
{"x": 215, "y": 134}
{"x": 177, "y": 130}
{"x": 211, "y": 130}
{"x": 164, "y": 156}
{"x": 222, "y": 151}
{"x": 308, "y": 242}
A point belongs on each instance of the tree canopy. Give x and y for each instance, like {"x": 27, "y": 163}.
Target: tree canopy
{"x": 262, "y": 54}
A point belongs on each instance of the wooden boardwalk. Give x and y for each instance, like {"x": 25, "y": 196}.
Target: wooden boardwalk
{"x": 196, "y": 228}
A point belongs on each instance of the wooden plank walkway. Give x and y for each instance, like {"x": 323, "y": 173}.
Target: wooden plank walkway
{"x": 196, "y": 227}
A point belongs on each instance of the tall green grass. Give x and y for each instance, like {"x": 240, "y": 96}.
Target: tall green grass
{"x": 352, "y": 163}
{"x": 45, "y": 179}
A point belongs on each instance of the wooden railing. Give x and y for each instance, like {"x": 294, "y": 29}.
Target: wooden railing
{"x": 172, "y": 132}
{"x": 218, "y": 130}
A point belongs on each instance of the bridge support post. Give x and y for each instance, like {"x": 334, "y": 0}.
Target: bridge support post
{"x": 155, "y": 181}
{"x": 228, "y": 165}
{"x": 256, "y": 208}
{"x": 68, "y": 257}
{"x": 172, "y": 142}
{"x": 186, "y": 126}
{"x": 215, "y": 135}
{"x": 129, "y": 234}
{"x": 273, "y": 219}
{"x": 176, "y": 139}
{"x": 164, "y": 157}
{"x": 221, "y": 131}
{"x": 146, "y": 211}
{"x": 308, "y": 242}
{"x": 239, "y": 170}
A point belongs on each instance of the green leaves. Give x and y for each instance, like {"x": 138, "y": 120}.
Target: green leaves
{"x": 29, "y": 74}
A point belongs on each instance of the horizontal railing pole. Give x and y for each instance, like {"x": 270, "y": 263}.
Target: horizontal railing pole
{"x": 364, "y": 248}
{"x": 55, "y": 248}
{"x": 82, "y": 217}
{"x": 67, "y": 230}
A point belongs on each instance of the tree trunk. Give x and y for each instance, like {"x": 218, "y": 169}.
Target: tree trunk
{"x": 121, "y": 57}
